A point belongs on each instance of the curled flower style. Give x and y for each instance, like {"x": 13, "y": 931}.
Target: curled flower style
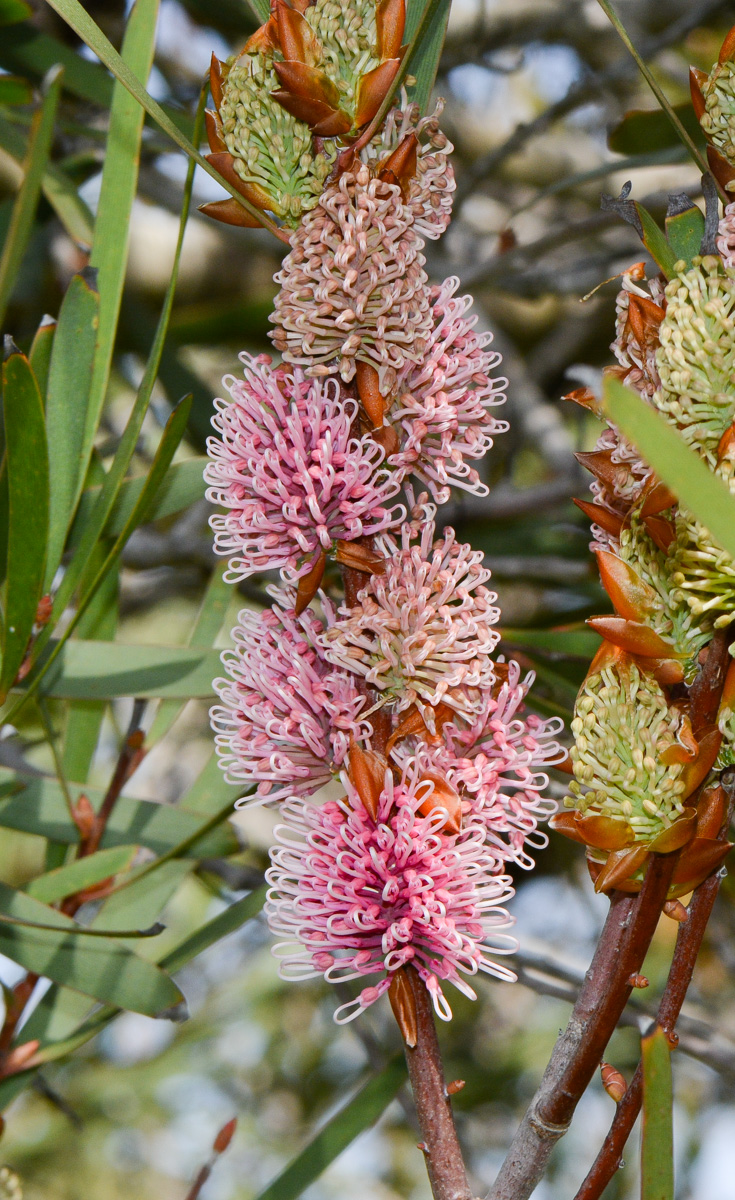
{"x": 286, "y": 717}
{"x": 290, "y": 473}
{"x": 630, "y": 751}
{"x": 444, "y": 404}
{"x": 353, "y": 287}
{"x": 726, "y": 237}
{"x": 430, "y": 190}
{"x": 357, "y": 893}
{"x": 422, "y": 633}
{"x": 696, "y": 359}
{"x": 638, "y": 315}
{"x": 496, "y": 764}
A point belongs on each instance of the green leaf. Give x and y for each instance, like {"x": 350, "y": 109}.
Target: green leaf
{"x": 183, "y": 485}
{"x": 576, "y": 643}
{"x": 233, "y": 917}
{"x": 14, "y": 89}
{"x": 699, "y": 489}
{"x": 26, "y": 49}
{"x": 12, "y": 11}
{"x": 27, "y": 469}
{"x": 83, "y": 873}
{"x": 657, "y": 1141}
{"x": 209, "y": 791}
{"x": 40, "y": 354}
{"x": 40, "y": 808}
{"x": 339, "y": 1132}
{"x": 90, "y": 33}
{"x": 141, "y": 902}
{"x": 261, "y": 8}
{"x": 655, "y": 242}
{"x": 86, "y": 670}
{"x": 425, "y": 62}
{"x": 117, "y": 192}
{"x": 101, "y": 967}
{"x": 57, "y": 187}
{"x": 645, "y": 132}
{"x": 684, "y": 233}
{"x": 70, "y": 380}
{"x": 26, "y": 201}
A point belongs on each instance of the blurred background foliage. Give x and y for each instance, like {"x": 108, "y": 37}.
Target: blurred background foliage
{"x": 534, "y": 91}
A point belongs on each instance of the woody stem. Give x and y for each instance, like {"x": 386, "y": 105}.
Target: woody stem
{"x": 440, "y": 1143}
{"x": 621, "y": 949}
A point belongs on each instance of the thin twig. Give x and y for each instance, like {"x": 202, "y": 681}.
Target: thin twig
{"x": 621, "y": 949}
{"x": 688, "y": 945}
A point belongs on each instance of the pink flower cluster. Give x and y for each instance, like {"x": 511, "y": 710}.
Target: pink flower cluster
{"x": 402, "y": 672}
{"x": 291, "y": 473}
{"x": 358, "y": 895}
{"x": 286, "y": 716}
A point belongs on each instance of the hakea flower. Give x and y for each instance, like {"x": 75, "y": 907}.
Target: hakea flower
{"x": 366, "y": 886}
{"x": 429, "y": 191}
{"x": 638, "y": 315}
{"x": 704, "y": 573}
{"x": 714, "y": 101}
{"x": 423, "y": 632}
{"x": 291, "y": 474}
{"x": 286, "y": 717}
{"x": 726, "y": 237}
{"x": 444, "y": 403}
{"x": 353, "y": 288}
{"x": 696, "y": 359}
{"x": 496, "y": 765}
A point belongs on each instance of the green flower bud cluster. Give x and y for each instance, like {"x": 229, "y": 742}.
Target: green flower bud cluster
{"x": 348, "y": 35}
{"x": 271, "y": 149}
{"x": 703, "y": 574}
{"x": 622, "y": 725}
{"x": 696, "y": 358}
{"x": 718, "y": 119}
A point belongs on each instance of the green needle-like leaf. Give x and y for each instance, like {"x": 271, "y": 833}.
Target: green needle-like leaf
{"x": 425, "y": 62}
{"x": 657, "y": 1142}
{"x": 39, "y": 355}
{"x": 26, "y": 201}
{"x": 27, "y": 472}
{"x": 338, "y": 1133}
{"x": 69, "y": 383}
{"x": 703, "y": 492}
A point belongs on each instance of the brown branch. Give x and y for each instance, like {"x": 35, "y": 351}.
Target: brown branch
{"x": 621, "y": 949}
{"x": 688, "y": 944}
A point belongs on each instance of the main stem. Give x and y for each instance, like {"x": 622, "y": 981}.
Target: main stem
{"x": 624, "y": 941}
{"x": 440, "y": 1144}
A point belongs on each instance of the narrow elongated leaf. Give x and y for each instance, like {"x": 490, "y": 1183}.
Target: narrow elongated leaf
{"x": 339, "y": 1132}
{"x": 261, "y": 8}
{"x": 90, "y": 33}
{"x": 27, "y": 470}
{"x": 425, "y": 62}
{"x": 40, "y": 354}
{"x": 657, "y": 1142}
{"x": 14, "y": 10}
{"x": 209, "y": 791}
{"x": 57, "y": 187}
{"x": 183, "y": 485}
{"x": 703, "y": 492}
{"x": 684, "y": 233}
{"x": 70, "y": 380}
{"x": 26, "y": 49}
{"x": 83, "y": 873}
{"x": 117, "y": 192}
{"x": 208, "y": 935}
{"x": 14, "y": 90}
{"x": 102, "y": 670}
{"x": 578, "y": 643}
{"x": 26, "y": 201}
{"x": 139, "y": 904}
{"x": 100, "y": 967}
{"x": 649, "y": 131}
{"x": 655, "y": 242}
{"x": 40, "y": 808}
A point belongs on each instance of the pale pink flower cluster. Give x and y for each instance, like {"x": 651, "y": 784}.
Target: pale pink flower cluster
{"x": 356, "y": 891}
{"x": 422, "y": 632}
{"x": 726, "y": 236}
{"x": 291, "y": 473}
{"x": 444, "y": 403}
{"x": 286, "y": 717}
{"x": 356, "y": 896}
{"x": 353, "y": 286}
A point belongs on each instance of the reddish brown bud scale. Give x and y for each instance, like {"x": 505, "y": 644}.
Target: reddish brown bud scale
{"x": 390, "y": 22}
{"x": 373, "y": 89}
{"x": 367, "y": 772}
{"x": 368, "y": 389}
{"x": 230, "y": 212}
{"x": 676, "y": 911}
{"x": 308, "y": 585}
{"x": 613, "y": 1082}
{"x": 638, "y": 981}
{"x": 43, "y": 610}
{"x": 607, "y": 520}
{"x": 84, "y": 816}
{"x": 455, "y": 1086}
{"x": 727, "y": 49}
{"x": 215, "y": 80}
{"x": 225, "y": 1136}
{"x": 404, "y": 1007}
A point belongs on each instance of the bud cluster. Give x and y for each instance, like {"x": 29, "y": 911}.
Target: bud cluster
{"x": 374, "y": 669}
{"x": 642, "y": 751}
